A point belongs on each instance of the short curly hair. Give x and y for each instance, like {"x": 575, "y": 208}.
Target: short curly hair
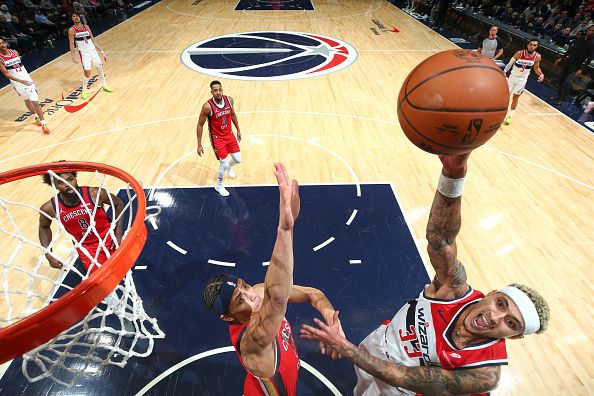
{"x": 542, "y": 307}
{"x": 47, "y": 178}
{"x": 212, "y": 290}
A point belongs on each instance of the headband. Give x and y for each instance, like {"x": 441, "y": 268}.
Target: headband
{"x": 225, "y": 292}
{"x": 526, "y": 307}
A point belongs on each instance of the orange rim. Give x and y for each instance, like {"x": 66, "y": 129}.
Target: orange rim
{"x": 42, "y": 326}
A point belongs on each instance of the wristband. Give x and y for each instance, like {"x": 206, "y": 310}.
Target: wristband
{"x": 451, "y": 188}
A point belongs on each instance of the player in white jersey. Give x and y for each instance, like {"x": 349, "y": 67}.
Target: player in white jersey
{"x": 450, "y": 340}
{"x": 12, "y": 68}
{"x": 81, "y": 39}
{"x": 521, "y": 64}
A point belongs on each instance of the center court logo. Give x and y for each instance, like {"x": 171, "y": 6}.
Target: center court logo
{"x": 269, "y": 55}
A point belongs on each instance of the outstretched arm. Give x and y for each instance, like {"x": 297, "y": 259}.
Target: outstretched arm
{"x": 257, "y": 343}
{"x": 428, "y": 380}
{"x": 443, "y": 227}
{"x": 511, "y": 62}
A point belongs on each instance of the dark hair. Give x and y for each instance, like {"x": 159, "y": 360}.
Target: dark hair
{"x": 47, "y": 178}
{"x": 534, "y": 39}
{"x": 215, "y": 82}
{"x": 212, "y": 290}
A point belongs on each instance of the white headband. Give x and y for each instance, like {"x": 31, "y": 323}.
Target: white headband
{"x": 526, "y": 307}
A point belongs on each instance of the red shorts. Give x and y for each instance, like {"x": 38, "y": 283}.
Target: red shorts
{"x": 101, "y": 255}
{"x": 223, "y": 145}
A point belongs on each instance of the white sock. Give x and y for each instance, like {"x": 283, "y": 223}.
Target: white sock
{"x": 42, "y": 122}
{"x": 85, "y": 82}
{"x": 102, "y": 75}
{"x": 224, "y": 165}
{"x": 510, "y": 113}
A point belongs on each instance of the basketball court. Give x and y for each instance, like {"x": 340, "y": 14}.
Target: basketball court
{"x": 527, "y": 211}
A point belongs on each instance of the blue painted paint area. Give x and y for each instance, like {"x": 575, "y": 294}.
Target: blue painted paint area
{"x": 268, "y": 5}
{"x": 242, "y": 229}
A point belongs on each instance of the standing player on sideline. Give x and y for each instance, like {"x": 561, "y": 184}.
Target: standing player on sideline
{"x": 258, "y": 328}
{"x": 521, "y": 64}
{"x": 450, "y": 339}
{"x": 219, "y": 111}
{"x": 12, "y": 68}
{"x": 81, "y": 37}
{"x": 74, "y": 214}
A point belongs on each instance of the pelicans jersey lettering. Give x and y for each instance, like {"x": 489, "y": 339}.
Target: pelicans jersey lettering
{"x": 420, "y": 334}
{"x": 284, "y": 380}
{"x": 219, "y": 126}
{"x": 77, "y": 219}
{"x": 522, "y": 66}
{"x": 82, "y": 39}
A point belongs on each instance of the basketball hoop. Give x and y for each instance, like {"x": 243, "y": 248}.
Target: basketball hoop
{"x": 54, "y": 334}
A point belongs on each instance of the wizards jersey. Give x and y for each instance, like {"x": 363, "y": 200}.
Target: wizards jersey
{"x": 82, "y": 39}
{"x": 284, "y": 380}
{"x": 522, "y": 66}
{"x": 219, "y": 121}
{"x": 14, "y": 65}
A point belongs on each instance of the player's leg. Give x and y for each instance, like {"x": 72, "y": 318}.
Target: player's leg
{"x": 99, "y": 65}
{"x": 516, "y": 88}
{"x": 221, "y": 153}
{"x": 32, "y": 102}
{"x": 233, "y": 149}
{"x": 85, "y": 60}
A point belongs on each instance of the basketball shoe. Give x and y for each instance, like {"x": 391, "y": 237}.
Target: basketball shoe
{"x": 37, "y": 121}
{"x": 221, "y": 190}
{"x": 107, "y": 89}
{"x": 507, "y": 120}
{"x": 84, "y": 94}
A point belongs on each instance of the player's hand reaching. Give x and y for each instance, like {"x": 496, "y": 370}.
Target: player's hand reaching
{"x": 327, "y": 349}
{"x": 200, "y": 150}
{"x": 290, "y": 203}
{"x": 330, "y": 335}
{"x": 454, "y": 166}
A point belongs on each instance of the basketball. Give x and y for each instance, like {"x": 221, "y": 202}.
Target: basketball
{"x": 453, "y": 102}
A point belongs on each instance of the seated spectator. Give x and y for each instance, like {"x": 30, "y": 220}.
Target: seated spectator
{"x": 538, "y": 27}
{"x": 585, "y": 23}
{"x": 41, "y": 19}
{"x": 6, "y": 36}
{"x": 80, "y": 10}
{"x": 552, "y": 30}
{"x": 25, "y": 42}
{"x": 4, "y": 13}
{"x": 29, "y": 4}
{"x": 562, "y": 38}
{"x": 587, "y": 8}
{"x": 47, "y": 5}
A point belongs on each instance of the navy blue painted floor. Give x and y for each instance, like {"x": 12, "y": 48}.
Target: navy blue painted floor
{"x": 241, "y": 229}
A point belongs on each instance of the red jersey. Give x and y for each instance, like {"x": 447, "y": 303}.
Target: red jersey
{"x": 76, "y": 219}
{"x": 284, "y": 380}
{"x": 219, "y": 121}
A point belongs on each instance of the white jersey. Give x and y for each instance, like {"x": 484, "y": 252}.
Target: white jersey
{"x": 82, "y": 39}
{"x": 522, "y": 66}
{"x": 13, "y": 64}
{"x": 420, "y": 334}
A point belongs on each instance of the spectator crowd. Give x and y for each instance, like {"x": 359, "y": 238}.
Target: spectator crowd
{"x": 29, "y": 25}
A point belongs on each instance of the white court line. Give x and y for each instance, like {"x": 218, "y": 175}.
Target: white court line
{"x": 350, "y": 220}
{"x": 354, "y": 261}
{"x": 545, "y": 114}
{"x": 223, "y": 263}
{"x": 175, "y": 247}
{"x": 140, "y": 267}
{"x": 153, "y": 223}
{"x": 326, "y": 242}
{"x": 265, "y": 263}
{"x": 230, "y": 348}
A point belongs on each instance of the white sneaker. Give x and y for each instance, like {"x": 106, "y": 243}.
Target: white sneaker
{"x": 230, "y": 173}
{"x": 222, "y": 191}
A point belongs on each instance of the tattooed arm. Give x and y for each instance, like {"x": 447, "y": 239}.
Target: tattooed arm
{"x": 428, "y": 380}
{"x": 442, "y": 229}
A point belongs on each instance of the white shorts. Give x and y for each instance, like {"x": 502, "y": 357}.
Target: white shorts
{"x": 516, "y": 84}
{"x": 367, "y": 385}
{"x": 88, "y": 58}
{"x": 27, "y": 92}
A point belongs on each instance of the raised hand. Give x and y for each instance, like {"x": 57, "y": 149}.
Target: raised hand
{"x": 290, "y": 203}
{"x": 455, "y": 166}
{"x": 331, "y": 336}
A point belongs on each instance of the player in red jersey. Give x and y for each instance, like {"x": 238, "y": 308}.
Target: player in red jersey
{"x": 258, "y": 328}
{"x": 220, "y": 113}
{"x": 75, "y": 214}
{"x": 450, "y": 340}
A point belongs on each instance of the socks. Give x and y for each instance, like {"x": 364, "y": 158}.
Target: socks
{"x": 85, "y": 82}
{"x": 510, "y": 113}
{"x": 102, "y": 75}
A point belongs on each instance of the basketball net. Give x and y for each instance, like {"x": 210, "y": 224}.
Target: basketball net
{"x": 112, "y": 332}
